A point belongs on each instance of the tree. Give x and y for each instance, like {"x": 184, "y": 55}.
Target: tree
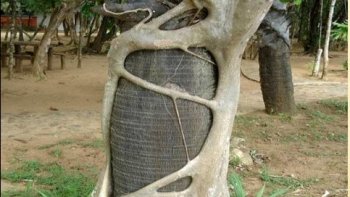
{"x": 12, "y": 5}
{"x": 168, "y": 112}
{"x": 57, "y": 16}
{"x": 309, "y": 16}
{"x": 316, "y": 66}
{"x": 274, "y": 60}
{"x": 328, "y": 35}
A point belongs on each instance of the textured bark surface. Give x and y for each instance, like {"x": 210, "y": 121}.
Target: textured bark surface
{"x": 274, "y": 59}
{"x": 152, "y": 89}
{"x": 146, "y": 141}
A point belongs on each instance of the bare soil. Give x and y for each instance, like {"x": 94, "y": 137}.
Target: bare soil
{"x": 63, "y": 112}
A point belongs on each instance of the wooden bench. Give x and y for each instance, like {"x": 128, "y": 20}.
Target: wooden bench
{"x": 51, "y": 53}
{"x": 19, "y": 55}
{"x": 18, "y": 59}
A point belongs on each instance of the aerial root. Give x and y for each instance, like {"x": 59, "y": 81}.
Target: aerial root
{"x": 181, "y": 129}
{"x": 198, "y": 56}
{"x": 150, "y": 13}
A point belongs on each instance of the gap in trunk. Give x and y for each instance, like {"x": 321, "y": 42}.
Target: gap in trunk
{"x": 188, "y": 18}
{"x": 176, "y": 68}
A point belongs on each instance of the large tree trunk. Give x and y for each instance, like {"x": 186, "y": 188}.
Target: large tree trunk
{"x": 146, "y": 138}
{"x": 144, "y": 123}
{"x": 156, "y": 119}
{"x": 274, "y": 59}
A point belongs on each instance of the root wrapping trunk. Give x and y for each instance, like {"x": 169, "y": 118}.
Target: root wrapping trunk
{"x": 167, "y": 124}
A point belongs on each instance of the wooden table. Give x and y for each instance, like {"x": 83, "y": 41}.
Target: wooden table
{"x": 19, "y": 55}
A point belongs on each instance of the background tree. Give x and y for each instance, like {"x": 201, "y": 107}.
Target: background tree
{"x": 274, "y": 60}
{"x": 59, "y": 10}
{"x": 328, "y": 35}
{"x": 309, "y": 16}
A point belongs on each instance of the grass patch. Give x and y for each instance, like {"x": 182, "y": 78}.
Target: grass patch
{"x": 339, "y": 105}
{"x": 320, "y": 116}
{"x": 95, "y": 143}
{"x": 56, "y": 153}
{"x": 246, "y": 121}
{"x": 27, "y": 171}
{"x": 28, "y": 192}
{"x": 237, "y": 189}
{"x": 236, "y": 184}
{"x": 235, "y": 161}
{"x": 288, "y": 182}
{"x": 62, "y": 142}
{"x": 337, "y": 137}
{"x": 285, "y": 117}
{"x": 50, "y": 180}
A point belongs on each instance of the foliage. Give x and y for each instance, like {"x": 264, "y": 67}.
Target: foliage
{"x": 6, "y": 3}
{"x": 86, "y": 8}
{"x": 235, "y": 162}
{"x": 41, "y": 6}
{"x": 51, "y": 180}
{"x": 340, "y": 31}
{"x": 295, "y": 2}
{"x": 235, "y": 181}
{"x": 307, "y": 21}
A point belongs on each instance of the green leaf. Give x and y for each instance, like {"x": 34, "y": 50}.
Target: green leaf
{"x": 236, "y": 182}
{"x": 279, "y": 192}
{"x": 261, "y": 192}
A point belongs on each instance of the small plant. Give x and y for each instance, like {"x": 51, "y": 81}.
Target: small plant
{"x": 56, "y": 152}
{"x": 289, "y": 182}
{"x": 236, "y": 185}
{"x": 235, "y": 162}
{"x": 345, "y": 65}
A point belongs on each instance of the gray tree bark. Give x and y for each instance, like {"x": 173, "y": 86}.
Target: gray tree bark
{"x": 274, "y": 59}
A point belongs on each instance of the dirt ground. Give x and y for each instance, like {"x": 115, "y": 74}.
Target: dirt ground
{"x": 38, "y": 117}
